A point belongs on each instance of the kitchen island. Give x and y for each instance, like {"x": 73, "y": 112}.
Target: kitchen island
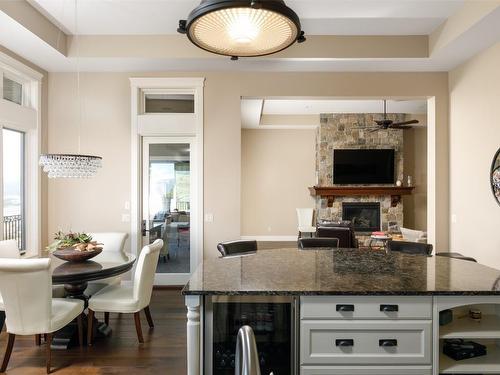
{"x": 353, "y": 311}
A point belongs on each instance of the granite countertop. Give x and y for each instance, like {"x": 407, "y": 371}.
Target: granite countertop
{"x": 341, "y": 272}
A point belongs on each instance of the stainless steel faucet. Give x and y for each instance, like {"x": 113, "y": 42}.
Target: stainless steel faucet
{"x": 247, "y": 357}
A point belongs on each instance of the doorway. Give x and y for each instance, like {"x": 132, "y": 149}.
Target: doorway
{"x": 167, "y": 205}
{"x": 167, "y": 173}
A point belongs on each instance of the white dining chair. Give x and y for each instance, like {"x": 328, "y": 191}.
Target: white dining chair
{"x": 305, "y": 218}
{"x": 26, "y": 287}
{"x": 8, "y": 249}
{"x": 413, "y": 235}
{"x": 129, "y": 299}
{"x": 113, "y": 244}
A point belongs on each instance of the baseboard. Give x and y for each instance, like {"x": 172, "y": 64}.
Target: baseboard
{"x": 270, "y": 238}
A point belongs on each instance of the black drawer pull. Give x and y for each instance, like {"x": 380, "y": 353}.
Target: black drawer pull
{"x": 388, "y": 343}
{"x": 344, "y": 342}
{"x": 389, "y": 308}
{"x": 343, "y": 308}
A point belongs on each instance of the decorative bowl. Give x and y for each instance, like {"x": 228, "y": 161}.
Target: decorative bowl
{"x": 70, "y": 254}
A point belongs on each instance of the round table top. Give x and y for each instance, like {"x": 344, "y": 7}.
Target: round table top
{"x": 106, "y": 264}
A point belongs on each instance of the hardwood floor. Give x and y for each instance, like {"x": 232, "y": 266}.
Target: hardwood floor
{"x": 163, "y": 351}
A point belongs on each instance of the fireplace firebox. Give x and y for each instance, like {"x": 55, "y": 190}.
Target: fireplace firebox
{"x": 365, "y": 217}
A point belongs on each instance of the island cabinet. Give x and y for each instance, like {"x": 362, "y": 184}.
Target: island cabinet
{"x": 352, "y": 311}
{"x": 372, "y": 335}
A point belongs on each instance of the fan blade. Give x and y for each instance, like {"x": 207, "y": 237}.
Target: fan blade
{"x": 402, "y": 127}
{"x": 405, "y": 123}
{"x": 366, "y": 128}
{"x": 374, "y": 130}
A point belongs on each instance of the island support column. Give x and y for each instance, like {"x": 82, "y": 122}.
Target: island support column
{"x": 194, "y": 354}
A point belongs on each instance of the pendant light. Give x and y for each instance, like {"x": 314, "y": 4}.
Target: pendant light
{"x": 72, "y": 165}
{"x": 242, "y": 28}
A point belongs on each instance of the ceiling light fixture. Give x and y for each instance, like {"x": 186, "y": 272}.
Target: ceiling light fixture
{"x": 72, "y": 165}
{"x": 242, "y": 28}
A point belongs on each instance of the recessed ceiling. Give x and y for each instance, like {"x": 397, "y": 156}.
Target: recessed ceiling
{"x": 140, "y": 36}
{"x": 319, "y": 17}
{"x": 316, "y": 107}
{"x": 255, "y": 112}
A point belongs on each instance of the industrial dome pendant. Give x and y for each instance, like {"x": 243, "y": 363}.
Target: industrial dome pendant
{"x": 242, "y": 28}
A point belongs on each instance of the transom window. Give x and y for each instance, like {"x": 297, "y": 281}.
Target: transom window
{"x": 12, "y": 91}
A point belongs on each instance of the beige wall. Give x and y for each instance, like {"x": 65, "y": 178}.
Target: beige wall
{"x": 277, "y": 166}
{"x": 474, "y": 139}
{"x": 98, "y": 203}
{"x": 415, "y": 165}
{"x": 93, "y": 205}
{"x": 44, "y": 136}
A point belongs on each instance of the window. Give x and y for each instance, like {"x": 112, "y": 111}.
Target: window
{"x": 168, "y": 103}
{"x": 20, "y": 118}
{"x": 12, "y": 90}
{"x": 13, "y": 145}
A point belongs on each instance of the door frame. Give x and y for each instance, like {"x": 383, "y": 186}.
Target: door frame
{"x": 167, "y": 126}
{"x": 176, "y": 278}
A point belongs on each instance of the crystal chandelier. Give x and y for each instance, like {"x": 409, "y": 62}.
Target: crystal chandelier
{"x": 72, "y": 165}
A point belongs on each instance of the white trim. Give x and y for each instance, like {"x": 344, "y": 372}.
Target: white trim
{"x": 18, "y": 68}
{"x": 431, "y": 172}
{"x": 270, "y": 238}
{"x": 167, "y": 83}
{"x": 195, "y": 85}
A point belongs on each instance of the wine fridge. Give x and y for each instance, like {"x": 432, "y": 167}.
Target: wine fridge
{"x": 272, "y": 319}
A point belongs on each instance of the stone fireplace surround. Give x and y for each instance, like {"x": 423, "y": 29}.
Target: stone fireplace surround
{"x": 339, "y": 131}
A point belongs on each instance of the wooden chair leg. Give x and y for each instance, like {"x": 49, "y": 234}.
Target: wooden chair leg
{"x": 8, "y": 352}
{"x": 48, "y": 351}
{"x": 38, "y": 340}
{"x": 80, "y": 330}
{"x": 148, "y": 317}
{"x": 2, "y": 320}
{"x": 106, "y": 318}
{"x": 138, "y": 327}
{"x": 90, "y": 324}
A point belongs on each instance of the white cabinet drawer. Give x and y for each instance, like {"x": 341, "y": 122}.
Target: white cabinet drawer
{"x": 379, "y": 370}
{"x": 365, "y": 307}
{"x": 342, "y": 342}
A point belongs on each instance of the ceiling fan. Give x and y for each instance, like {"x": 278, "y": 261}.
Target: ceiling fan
{"x": 385, "y": 123}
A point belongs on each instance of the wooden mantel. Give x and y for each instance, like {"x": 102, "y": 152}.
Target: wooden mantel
{"x": 330, "y": 192}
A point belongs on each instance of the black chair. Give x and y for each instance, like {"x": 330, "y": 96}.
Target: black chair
{"x": 343, "y": 231}
{"x": 456, "y": 256}
{"x": 410, "y": 247}
{"x": 237, "y": 248}
{"x": 307, "y": 243}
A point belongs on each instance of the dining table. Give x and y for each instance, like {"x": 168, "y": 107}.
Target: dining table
{"x": 75, "y": 277}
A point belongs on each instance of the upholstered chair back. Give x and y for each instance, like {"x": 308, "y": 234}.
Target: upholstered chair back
{"x": 328, "y": 242}
{"x": 9, "y": 249}
{"x": 305, "y": 216}
{"x": 26, "y": 287}
{"x": 112, "y": 241}
{"x": 240, "y": 247}
{"x": 145, "y": 273}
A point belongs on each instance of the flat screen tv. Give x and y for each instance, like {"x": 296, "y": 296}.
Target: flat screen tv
{"x": 363, "y": 166}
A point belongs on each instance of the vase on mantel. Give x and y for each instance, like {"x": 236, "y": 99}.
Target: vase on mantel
{"x": 409, "y": 180}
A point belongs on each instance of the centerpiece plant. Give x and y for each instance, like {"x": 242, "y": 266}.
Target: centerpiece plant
{"x": 74, "y": 240}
